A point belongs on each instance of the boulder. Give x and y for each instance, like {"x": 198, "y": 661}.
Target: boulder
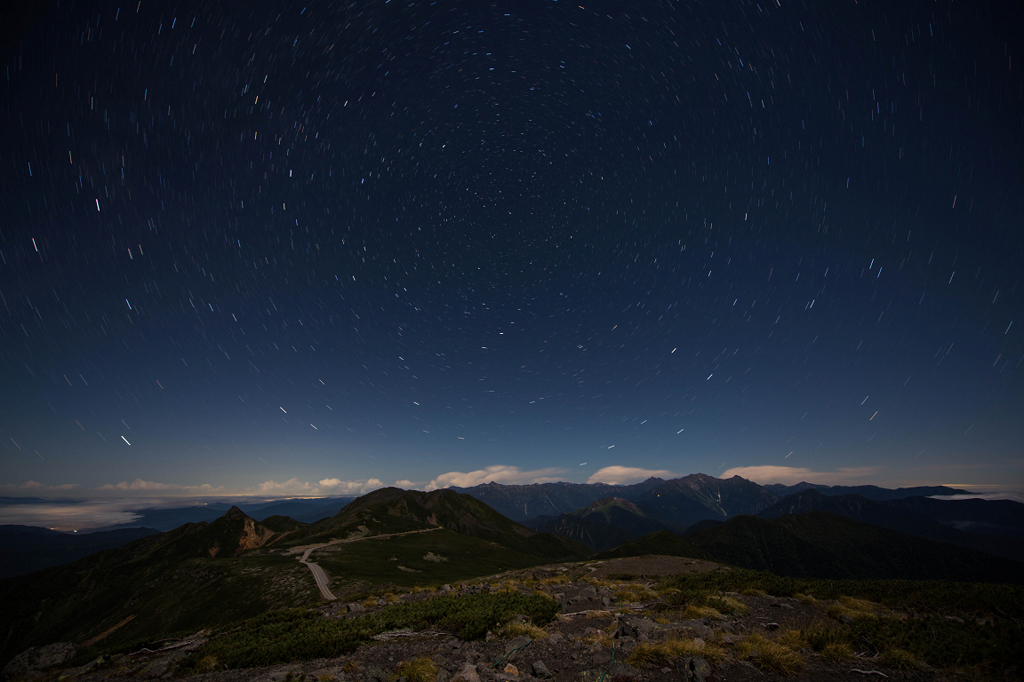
{"x": 540, "y": 670}
{"x": 467, "y": 673}
{"x": 72, "y": 673}
{"x": 700, "y": 668}
{"x": 697, "y": 627}
{"x": 356, "y": 607}
{"x": 38, "y": 658}
{"x": 635, "y": 627}
{"x": 620, "y": 669}
{"x": 157, "y": 668}
{"x": 516, "y": 643}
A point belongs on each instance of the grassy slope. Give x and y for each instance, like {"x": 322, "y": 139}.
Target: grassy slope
{"x": 168, "y": 583}
{"x": 391, "y": 510}
{"x": 175, "y": 583}
{"x": 378, "y": 561}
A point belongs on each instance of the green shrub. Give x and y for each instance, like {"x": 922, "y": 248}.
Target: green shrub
{"x": 821, "y": 636}
{"x": 298, "y": 635}
{"x": 931, "y": 595}
{"x": 943, "y": 643}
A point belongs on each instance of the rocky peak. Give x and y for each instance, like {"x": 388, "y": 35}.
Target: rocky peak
{"x": 234, "y": 514}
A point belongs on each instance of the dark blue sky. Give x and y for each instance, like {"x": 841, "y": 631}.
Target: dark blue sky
{"x": 248, "y": 242}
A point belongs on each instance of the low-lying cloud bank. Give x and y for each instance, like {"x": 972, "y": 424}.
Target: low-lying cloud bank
{"x": 767, "y": 474}
{"x": 620, "y": 475}
{"x": 499, "y": 473}
{"x": 139, "y": 488}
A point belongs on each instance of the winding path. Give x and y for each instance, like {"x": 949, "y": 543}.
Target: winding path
{"x": 320, "y": 576}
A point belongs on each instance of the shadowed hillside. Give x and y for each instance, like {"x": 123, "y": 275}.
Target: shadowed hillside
{"x": 392, "y": 510}
{"x": 824, "y": 545}
{"x": 603, "y": 524}
{"x": 902, "y": 516}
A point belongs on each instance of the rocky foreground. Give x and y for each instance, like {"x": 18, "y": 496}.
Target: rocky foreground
{"x": 612, "y": 627}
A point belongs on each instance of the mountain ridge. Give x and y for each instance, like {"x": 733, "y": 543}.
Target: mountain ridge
{"x": 523, "y": 502}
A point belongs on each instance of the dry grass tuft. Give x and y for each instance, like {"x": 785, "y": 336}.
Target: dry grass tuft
{"x": 693, "y": 612}
{"x": 420, "y": 670}
{"x": 770, "y": 656}
{"x": 515, "y": 629}
{"x": 729, "y": 605}
{"x": 597, "y": 637}
{"x": 806, "y": 599}
{"x": 837, "y": 652}
{"x": 634, "y": 593}
{"x": 555, "y": 580}
{"x": 853, "y": 608}
{"x": 661, "y": 654}
{"x": 794, "y": 639}
{"x": 754, "y": 592}
{"x": 649, "y": 655}
{"x": 207, "y": 664}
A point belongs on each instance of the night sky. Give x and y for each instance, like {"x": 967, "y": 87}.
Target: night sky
{"x": 278, "y": 248}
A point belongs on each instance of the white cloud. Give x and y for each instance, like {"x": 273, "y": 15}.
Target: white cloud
{"x": 35, "y": 487}
{"x": 1007, "y": 494}
{"x": 292, "y": 486}
{"x": 337, "y": 486}
{"x": 406, "y": 484}
{"x": 766, "y": 474}
{"x": 153, "y": 489}
{"x": 498, "y": 473}
{"x": 140, "y": 486}
{"x": 620, "y": 475}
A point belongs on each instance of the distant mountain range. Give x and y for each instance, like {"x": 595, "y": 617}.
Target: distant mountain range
{"x": 683, "y": 501}
{"x": 630, "y": 512}
{"x": 565, "y": 510}
{"x": 24, "y": 549}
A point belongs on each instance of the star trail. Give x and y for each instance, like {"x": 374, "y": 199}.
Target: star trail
{"x": 282, "y": 248}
